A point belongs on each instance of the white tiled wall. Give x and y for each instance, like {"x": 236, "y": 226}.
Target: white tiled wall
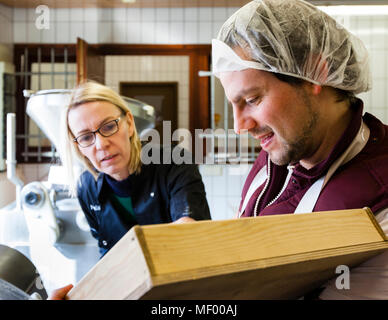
{"x": 6, "y": 17}
{"x": 152, "y": 69}
{"x": 373, "y": 31}
{"x": 223, "y": 186}
{"x": 183, "y": 26}
{"x": 122, "y": 25}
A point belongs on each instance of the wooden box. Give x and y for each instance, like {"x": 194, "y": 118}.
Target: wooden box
{"x": 271, "y": 257}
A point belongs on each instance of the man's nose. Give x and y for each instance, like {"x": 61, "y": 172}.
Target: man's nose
{"x": 242, "y": 120}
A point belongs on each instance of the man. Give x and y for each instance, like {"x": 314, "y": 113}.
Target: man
{"x": 291, "y": 74}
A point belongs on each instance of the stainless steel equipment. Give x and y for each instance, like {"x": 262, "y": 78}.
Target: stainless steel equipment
{"x": 19, "y": 271}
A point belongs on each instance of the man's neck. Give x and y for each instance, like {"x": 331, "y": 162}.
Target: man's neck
{"x": 333, "y": 124}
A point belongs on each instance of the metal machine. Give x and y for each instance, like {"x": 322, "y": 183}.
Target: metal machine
{"x": 45, "y": 223}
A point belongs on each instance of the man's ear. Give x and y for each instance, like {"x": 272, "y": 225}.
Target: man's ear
{"x": 316, "y": 89}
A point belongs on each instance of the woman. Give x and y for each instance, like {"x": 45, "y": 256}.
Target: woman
{"x": 117, "y": 191}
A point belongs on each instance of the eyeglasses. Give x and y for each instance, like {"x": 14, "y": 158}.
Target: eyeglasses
{"x": 106, "y": 130}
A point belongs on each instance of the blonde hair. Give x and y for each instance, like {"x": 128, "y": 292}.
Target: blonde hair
{"x": 89, "y": 92}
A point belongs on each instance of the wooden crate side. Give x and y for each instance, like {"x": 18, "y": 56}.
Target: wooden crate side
{"x": 288, "y": 279}
{"x": 121, "y": 274}
{"x": 179, "y": 248}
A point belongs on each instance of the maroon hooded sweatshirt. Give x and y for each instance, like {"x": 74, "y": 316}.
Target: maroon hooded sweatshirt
{"x": 361, "y": 182}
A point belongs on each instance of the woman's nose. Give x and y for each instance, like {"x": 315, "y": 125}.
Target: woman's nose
{"x": 101, "y": 141}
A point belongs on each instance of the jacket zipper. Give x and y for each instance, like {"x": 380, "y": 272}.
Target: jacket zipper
{"x": 289, "y": 175}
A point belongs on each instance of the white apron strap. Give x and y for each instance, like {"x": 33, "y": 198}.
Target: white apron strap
{"x": 259, "y": 179}
{"x": 307, "y": 204}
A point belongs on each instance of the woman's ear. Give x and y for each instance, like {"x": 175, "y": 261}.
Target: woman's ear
{"x": 131, "y": 122}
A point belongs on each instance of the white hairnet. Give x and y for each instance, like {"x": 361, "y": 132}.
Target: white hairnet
{"x": 295, "y": 38}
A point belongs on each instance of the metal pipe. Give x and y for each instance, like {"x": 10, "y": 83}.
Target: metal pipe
{"x": 52, "y": 53}
{"x": 11, "y": 157}
{"x": 66, "y": 73}
{"x": 26, "y": 85}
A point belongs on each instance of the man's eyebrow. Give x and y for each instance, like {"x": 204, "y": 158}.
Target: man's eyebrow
{"x": 99, "y": 125}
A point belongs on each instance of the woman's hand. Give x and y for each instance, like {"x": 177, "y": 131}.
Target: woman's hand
{"x": 184, "y": 220}
{"x": 60, "y": 294}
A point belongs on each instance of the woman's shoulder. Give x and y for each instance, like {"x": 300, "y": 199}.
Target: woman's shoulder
{"x": 87, "y": 181}
{"x": 86, "y": 177}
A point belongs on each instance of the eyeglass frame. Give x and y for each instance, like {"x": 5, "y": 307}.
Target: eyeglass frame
{"x": 98, "y": 130}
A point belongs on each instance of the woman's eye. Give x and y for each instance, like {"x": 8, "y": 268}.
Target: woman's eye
{"x": 109, "y": 126}
{"x": 85, "y": 138}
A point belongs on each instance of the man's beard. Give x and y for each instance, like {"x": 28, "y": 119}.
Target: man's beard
{"x": 303, "y": 147}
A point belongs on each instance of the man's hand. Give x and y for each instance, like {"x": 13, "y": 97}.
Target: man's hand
{"x": 60, "y": 294}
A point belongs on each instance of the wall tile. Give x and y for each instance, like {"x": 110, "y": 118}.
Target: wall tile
{"x": 234, "y": 185}
{"x": 104, "y": 14}
{"x": 205, "y": 14}
{"x": 62, "y": 34}
{"x": 32, "y": 14}
{"x": 119, "y": 14}
{"x": 378, "y": 60}
{"x": 219, "y": 14}
{"x": 91, "y": 32}
{"x": 147, "y": 32}
{"x": 380, "y": 113}
{"x": 191, "y": 14}
{"x": 20, "y": 32}
{"x": 219, "y": 209}
{"x": 119, "y": 32}
{"x": 104, "y": 32}
{"x": 134, "y": 32}
{"x": 19, "y": 15}
{"x": 379, "y": 93}
{"x": 205, "y": 32}
{"x": 134, "y": 14}
{"x": 76, "y": 30}
{"x": 191, "y": 33}
{"x": 232, "y": 205}
{"x": 33, "y": 34}
{"x": 7, "y": 12}
{"x": 176, "y": 32}
{"x": 61, "y": 14}
{"x": 176, "y": 14}
{"x": 162, "y": 14}
{"x": 77, "y": 15}
{"x": 148, "y": 14}
{"x": 91, "y": 14}
{"x": 162, "y": 32}
{"x": 216, "y": 26}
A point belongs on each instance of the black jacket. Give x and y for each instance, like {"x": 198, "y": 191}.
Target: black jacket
{"x": 160, "y": 193}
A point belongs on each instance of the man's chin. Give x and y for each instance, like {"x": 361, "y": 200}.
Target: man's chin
{"x": 279, "y": 160}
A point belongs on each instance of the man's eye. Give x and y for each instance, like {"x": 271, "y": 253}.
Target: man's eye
{"x": 252, "y": 101}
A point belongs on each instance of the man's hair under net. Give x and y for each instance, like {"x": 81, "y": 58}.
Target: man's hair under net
{"x": 295, "y": 38}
